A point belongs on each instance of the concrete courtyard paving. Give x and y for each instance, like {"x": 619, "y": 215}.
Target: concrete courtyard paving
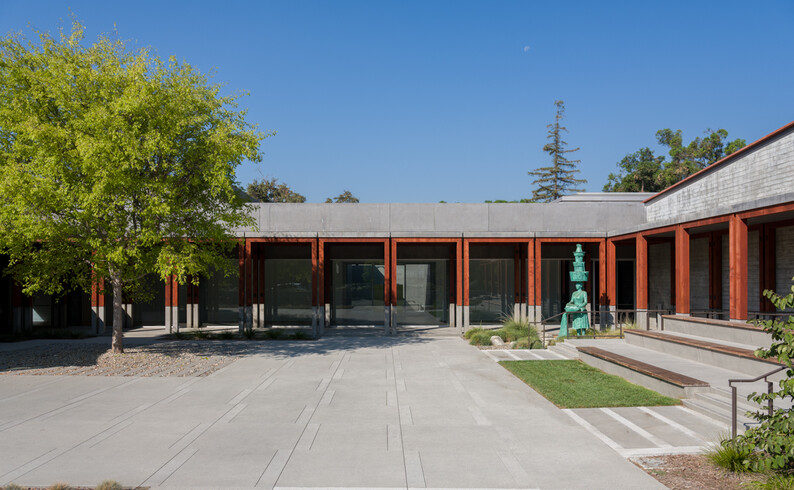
{"x": 407, "y": 411}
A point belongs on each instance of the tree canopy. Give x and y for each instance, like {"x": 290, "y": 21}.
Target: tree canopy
{"x": 558, "y": 179}
{"x": 346, "y": 196}
{"x": 270, "y": 190}
{"x": 110, "y": 159}
{"x": 643, "y": 171}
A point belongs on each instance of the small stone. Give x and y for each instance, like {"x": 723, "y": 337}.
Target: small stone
{"x": 497, "y": 340}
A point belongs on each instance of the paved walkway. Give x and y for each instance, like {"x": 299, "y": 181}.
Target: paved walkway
{"x": 408, "y": 411}
{"x": 638, "y": 431}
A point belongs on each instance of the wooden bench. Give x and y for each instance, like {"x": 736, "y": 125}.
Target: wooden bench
{"x": 661, "y": 374}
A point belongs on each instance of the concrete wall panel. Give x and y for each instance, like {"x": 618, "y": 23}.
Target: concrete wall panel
{"x": 761, "y": 177}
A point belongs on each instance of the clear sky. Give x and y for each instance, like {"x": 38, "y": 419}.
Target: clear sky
{"x": 421, "y": 101}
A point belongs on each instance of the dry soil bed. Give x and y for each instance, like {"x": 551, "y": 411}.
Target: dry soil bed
{"x": 162, "y": 359}
{"x": 692, "y": 471}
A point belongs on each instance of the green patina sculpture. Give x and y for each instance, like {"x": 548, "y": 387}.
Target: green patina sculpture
{"x": 576, "y": 309}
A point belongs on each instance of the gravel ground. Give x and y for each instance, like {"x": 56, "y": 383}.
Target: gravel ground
{"x": 162, "y": 359}
{"x": 692, "y": 471}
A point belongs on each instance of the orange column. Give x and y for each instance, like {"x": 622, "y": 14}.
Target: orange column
{"x": 459, "y": 283}
{"x": 681, "y": 270}
{"x": 465, "y": 284}
{"x": 530, "y": 282}
{"x": 738, "y": 267}
{"x": 321, "y": 283}
{"x": 538, "y": 300}
{"x": 641, "y": 274}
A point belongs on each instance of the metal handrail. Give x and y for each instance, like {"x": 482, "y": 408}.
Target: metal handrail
{"x": 592, "y": 313}
{"x": 769, "y": 384}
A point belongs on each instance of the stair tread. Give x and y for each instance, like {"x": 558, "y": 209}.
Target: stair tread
{"x": 729, "y": 348}
{"x": 652, "y": 370}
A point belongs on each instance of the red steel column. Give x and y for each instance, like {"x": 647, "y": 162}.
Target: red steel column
{"x": 459, "y": 284}
{"x": 321, "y": 293}
{"x": 536, "y": 273}
{"x": 465, "y": 284}
{"x": 530, "y": 281}
{"x": 682, "y": 270}
{"x": 738, "y": 267}
{"x": 641, "y": 274}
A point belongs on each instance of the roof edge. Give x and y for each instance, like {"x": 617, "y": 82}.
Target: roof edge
{"x": 723, "y": 160}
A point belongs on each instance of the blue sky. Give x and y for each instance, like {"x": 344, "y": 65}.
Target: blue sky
{"x": 422, "y": 101}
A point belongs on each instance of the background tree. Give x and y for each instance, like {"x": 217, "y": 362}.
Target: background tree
{"x": 643, "y": 171}
{"x": 109, "y": 160}
{"x": 697, "y": 155}
{"x": 558, "y": 179}
{"x": 640, "y": 171}
{"x": 346, "y": 196}
{"x": 270, "y": 190}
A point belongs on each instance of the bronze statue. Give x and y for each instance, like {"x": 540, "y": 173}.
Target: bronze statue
{"x": 576, "y": 309}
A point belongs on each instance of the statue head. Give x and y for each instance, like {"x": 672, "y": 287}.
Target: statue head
{"x": 579, "y": 286}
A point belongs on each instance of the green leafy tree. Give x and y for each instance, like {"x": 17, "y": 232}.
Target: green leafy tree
{"x": 346, "y": 196}
{"x": 771, "y": 443}
{"x": 270, "y": 190}
{"x": 110, "y": 159}
{"x": 558, "y": 179}
{"x": 685, "y": 160}
{"x": 640, "y": 171}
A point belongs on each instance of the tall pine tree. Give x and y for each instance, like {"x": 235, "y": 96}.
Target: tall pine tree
{"x": 559, "y": 179}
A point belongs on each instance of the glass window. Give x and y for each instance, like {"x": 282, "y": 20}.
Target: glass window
{"x": 218, "y": 298}
{"x": 422, "y": 284}
{"x": 491, "y": 283}
{"x": 288, "y": 290}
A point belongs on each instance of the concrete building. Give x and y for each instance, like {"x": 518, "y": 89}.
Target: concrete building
{"x": 707, "y": 246}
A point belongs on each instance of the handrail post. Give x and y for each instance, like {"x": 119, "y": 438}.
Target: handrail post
{"x": 769, "y": 392}
{"x": 733, "y": 411}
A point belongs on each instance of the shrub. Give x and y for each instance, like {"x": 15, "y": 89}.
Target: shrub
{"x": 274, "y": 334}
{"x": 226, "y": 335}
{"x": 109, "y": 485}
{"x": 771, "y": 443}
{"x": 774, "y": 482}
{"x": 483, "y": 337}
{"x": 730, "y": 455}
{"x": 59, "y": 486}
{"x": 468, "y": 334}
{"x": 301, "y": 335}
{"x": 514, "y": 329}
{"x": 249, "y": 333}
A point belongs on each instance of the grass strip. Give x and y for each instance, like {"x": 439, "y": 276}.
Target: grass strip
{"x": 574, "y": 384}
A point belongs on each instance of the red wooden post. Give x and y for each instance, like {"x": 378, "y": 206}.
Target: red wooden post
{"x": 737, "y": 232}
{"x": 682, "y": 270}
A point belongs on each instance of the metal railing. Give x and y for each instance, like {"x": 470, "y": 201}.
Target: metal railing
{"x": 617, "y": 319}
{"x": 769, "y": 385}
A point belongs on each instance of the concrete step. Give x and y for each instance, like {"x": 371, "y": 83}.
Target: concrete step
{"x": 653, "y": 377}
{"x": 718, "y": 330}
{"x": 719, "y": 410}
{"x": 565, "y": 349}
{"x": 727, "y": 355}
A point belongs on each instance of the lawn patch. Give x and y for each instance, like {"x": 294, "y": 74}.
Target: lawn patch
{"x": 574, "y": 384}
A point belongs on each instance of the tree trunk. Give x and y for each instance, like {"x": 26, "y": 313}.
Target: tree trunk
{"x": 118, "y": 314}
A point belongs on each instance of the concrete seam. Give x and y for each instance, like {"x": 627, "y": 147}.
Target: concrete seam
{"x": 636, "y": 428}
